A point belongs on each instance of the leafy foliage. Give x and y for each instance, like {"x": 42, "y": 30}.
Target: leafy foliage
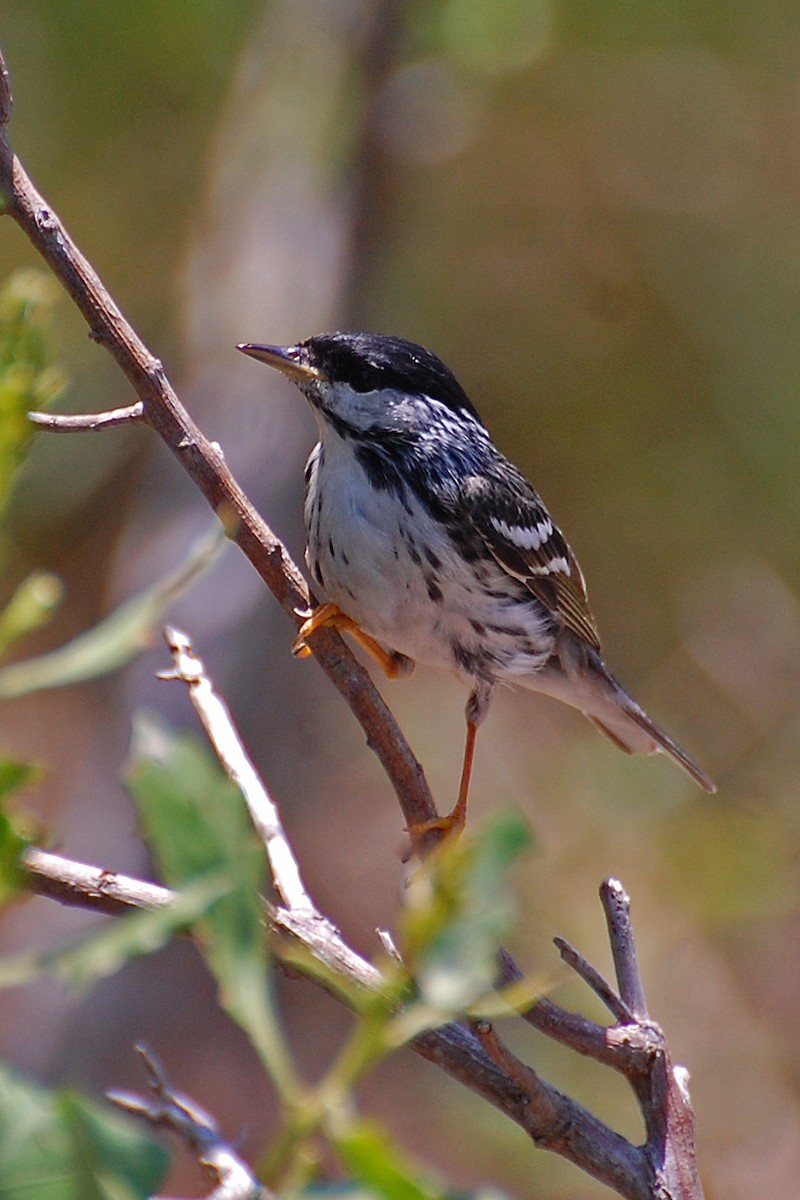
{"x": 458, "y": 913}
{"x": 195, "y": 822}
{"x": 374, "y": 1161}
{"x": 13, "y": 836}
{"x": 112, "y": 642}
{"x": 82, "y": 963}
{"x": 56, "y": 1146}
{"x": 28, "y": 377}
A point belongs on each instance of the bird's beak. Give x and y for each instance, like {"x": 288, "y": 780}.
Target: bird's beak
{"x": 285, "y": 359}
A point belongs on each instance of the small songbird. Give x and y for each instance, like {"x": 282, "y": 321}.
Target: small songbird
{"x": 429, "y": 545}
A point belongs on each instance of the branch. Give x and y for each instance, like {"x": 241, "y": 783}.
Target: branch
{"x": 636, "y": 1047}
{"x": 81, "y": 886}
{"x": 664, "y": 1168}
{"x": 216, "y": 720}
{"x": 179, "y": 1115}
{"x": 662, "y": 1089}
{"x": 204, "y": 462}
{"x": 87, "y": 422}
{"x": 617, "y": 905}
{"x": 594, "y": 980}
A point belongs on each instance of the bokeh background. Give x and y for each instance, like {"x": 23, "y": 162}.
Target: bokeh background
{"x": 592, "y": 212}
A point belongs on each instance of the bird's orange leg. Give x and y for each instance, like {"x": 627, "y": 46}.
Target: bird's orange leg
{"x": 453, "y": 824}
{"x": 331, "y": 615}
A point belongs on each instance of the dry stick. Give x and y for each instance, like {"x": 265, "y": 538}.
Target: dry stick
{"x": 83, "y": 886}
{"x": 662, "y": 1088}
{"x": 216, "y": 720}
{"x": 617, "y": 906}
{"x": 594, "y": 980}
{"x": 172, "y": 1111}
{"x": 88, "y": 422}
{"x": 530, "y": 1084}
{"x": 204, "y": 462}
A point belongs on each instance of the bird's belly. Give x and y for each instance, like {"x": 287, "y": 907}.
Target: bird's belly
{"x": 399, "y": 577}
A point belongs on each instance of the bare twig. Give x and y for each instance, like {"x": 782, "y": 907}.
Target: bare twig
{"x": 594, "y": 980}
{"x": 172, "y": 1111}
{"x": 81, "y": 886}
{"x": 537, "y": 1094}
{"x": 617, "y": 907}
{"x": 88, "y": 422}
{"x": 661, "y": 1088}
{"x": 570, "y": 1029}
{"x": 218, "y": 724}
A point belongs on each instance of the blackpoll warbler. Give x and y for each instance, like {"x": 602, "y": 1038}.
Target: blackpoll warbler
{"x": 428, "y": 544}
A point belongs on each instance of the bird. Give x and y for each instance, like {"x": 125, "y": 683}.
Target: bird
{"x": 430, "y": 546}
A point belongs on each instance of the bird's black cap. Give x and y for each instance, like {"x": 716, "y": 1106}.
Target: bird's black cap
{"x": 369, "y": 362}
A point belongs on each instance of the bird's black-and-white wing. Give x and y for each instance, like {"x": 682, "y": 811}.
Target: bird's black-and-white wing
{"x": 523, "y": 538}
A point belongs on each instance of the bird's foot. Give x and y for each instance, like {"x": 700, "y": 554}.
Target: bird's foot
{"x": 442, "y": 828}
{"x": 330, "y": 615}
{"x": 451, "y": 826}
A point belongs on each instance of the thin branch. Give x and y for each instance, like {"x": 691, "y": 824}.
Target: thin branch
{"x": 82, "y": 886}
{"x": 571, "y": 1029}
{"x": 536, "y": 1092}
{"x": 594, "y": 980}
{"x": 617, "y": 907}
{"x": 88, "y": 422}
{"x": 204, "y": 462}
{"x": 176, "y": 1113}
{"x": 218, "y": 724}
{"x": 662, "y": 1089}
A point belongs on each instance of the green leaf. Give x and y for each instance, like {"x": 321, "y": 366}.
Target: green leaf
{"x": 12, "y": 845}
{"x": 31, "y": 605}
{"x": 375, "y": 1162}
{"x": 28, "y": 378}
{"x": 195, "y": 821}
{"x": 103, "y": 952}
{"x": 118, "y": 638}
{"x": 459, "y": 912}
{"x": 16, "y": 775}
{"x": 13, "y": 837}
{"x": 58, "y": 1146}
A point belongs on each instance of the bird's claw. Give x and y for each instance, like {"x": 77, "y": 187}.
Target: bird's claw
{"x": 330, "y": 615}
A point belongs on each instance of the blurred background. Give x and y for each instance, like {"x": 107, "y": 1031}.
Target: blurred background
{"x": 591, "y": 213}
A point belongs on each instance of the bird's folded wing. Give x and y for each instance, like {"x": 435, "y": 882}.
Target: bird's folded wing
{"x": 523, "y": 538}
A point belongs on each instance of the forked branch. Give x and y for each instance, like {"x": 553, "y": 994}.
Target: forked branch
{"x": 472, "y": 1053}
{"x": 169, "y": 1110}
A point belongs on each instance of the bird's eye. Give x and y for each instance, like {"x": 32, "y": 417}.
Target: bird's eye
{"x": 364, "y": 377}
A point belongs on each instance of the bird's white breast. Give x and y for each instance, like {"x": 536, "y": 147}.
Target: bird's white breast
{"x": 394, "y": 569}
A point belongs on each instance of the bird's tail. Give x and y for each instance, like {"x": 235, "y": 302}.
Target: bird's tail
{"x": 590, "y": 687}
